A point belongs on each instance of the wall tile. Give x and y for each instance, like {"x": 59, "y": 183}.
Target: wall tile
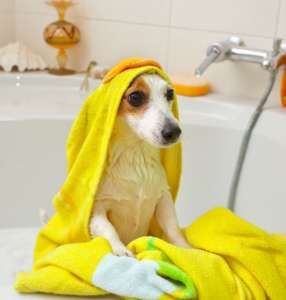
{"x": 281, "y": 32}
{"x": 41, "y": 7}
{"x": 32, "y": 6}
{"x": 255, "y": 17}
{"x": 188, "y": 48}
{"x": 7, "y": 22}
{"x": 107, "y": 42}
{"x": 137, "y": 11}
{"x": 6, "y": 6}
{"x": 7, "y": 28}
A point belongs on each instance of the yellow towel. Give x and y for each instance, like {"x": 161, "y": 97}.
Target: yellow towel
{"x": 232, "y": 260}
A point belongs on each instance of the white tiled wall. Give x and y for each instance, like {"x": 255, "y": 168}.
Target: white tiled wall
{"x": 251, "y": 17}
{"x": 175, "y": 32}
{"x": 281, "y": 30}
{"x": 7, "y": 24}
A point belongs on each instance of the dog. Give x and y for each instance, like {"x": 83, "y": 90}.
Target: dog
{"x": 134, "y": 188}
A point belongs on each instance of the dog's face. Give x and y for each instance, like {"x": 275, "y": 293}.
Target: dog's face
{"x": 146, "y": 107}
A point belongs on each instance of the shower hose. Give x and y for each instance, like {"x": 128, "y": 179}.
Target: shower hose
{"x": 246, "y": 140}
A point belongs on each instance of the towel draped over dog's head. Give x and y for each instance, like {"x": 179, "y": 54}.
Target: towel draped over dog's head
{"x": 87, "y": 148}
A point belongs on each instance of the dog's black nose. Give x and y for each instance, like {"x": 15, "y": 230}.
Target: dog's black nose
{"x": 171, "y": 132}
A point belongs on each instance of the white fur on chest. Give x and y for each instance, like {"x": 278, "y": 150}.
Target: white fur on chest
{"x": 132, "y": 184}
{"x": 133, "y": 173}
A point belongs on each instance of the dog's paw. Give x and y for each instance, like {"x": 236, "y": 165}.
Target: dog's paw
{"x": 121, "y": 250}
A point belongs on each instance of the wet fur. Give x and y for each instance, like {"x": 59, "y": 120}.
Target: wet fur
{"x": 134, "y": 187}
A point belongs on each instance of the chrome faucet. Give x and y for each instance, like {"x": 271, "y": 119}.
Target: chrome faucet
{"x": 233, "y": 48}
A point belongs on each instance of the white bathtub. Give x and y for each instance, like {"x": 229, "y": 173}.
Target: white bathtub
{"x": 36, "y": 111}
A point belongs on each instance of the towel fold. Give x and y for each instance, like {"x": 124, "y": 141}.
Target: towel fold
{"x": 231, "y": 259}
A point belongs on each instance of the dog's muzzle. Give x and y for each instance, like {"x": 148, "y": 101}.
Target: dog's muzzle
{"x": 171, "y": 133}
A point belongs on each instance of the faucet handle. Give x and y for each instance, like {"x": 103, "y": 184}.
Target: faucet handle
{"x": 218, "y": 51}
{"x": 273, "y": 60}
{"x": 277, "y": 45}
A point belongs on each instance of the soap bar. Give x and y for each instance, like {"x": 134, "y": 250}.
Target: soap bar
{"x": 191, "y": 86}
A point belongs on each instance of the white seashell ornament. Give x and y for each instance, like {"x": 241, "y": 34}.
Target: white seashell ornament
{"x": 19, "y": 56}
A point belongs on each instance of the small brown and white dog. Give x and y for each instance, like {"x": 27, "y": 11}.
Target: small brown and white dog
{"x": 134, "y": 187}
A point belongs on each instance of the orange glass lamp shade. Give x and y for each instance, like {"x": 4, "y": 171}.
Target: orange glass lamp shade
{"x": 61, "y": 35}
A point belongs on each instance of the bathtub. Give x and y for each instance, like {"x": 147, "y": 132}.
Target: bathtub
{"x": 36, "y": 112}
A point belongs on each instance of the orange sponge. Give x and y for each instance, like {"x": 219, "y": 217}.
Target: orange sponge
{"x": 192, "y": 86}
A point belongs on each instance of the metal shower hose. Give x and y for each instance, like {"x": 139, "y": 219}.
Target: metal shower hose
{"x": 246, "y": 140}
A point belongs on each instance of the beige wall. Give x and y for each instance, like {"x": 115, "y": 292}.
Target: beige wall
{"x": 175, "y": 32}
{"x": 7, "y": 22}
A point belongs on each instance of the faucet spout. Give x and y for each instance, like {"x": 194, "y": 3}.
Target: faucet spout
{"x": 210, "y": 58}
{"x": 218, "y": 52}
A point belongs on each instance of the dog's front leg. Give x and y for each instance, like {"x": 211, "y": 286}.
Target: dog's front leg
{"x": 101, "y": 226}
{"x": 166, "y": 216}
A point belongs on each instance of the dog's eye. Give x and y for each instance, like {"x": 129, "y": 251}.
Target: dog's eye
{"x": 170, "y": 94}
{"x": 136, "y": 99}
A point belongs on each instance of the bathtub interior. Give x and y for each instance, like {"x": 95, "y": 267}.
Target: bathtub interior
{"x": 36, "y": 113}
{"x": 34, "y": 96}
